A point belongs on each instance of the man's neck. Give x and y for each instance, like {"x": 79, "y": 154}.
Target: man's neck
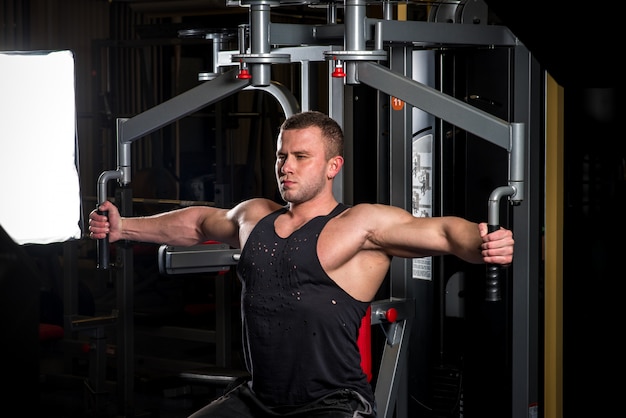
{"x": 312, "y": 208}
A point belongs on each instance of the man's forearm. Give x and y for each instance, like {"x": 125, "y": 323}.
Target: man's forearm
{"x": 167, "y": 228}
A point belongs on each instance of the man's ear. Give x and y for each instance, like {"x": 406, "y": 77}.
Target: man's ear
{"x": 334, "y": 166}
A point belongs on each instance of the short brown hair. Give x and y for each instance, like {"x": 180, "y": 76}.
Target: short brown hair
{"x": 331, "y": 131}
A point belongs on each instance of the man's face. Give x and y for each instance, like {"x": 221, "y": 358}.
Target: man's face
{"x": 301, "y": 164}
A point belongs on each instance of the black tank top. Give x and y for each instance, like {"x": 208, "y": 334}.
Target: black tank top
{"x": 300, "y": 328}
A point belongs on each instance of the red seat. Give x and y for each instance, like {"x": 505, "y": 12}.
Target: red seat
{"x": 49, "y": 332}
{"x": 364, "y": 342}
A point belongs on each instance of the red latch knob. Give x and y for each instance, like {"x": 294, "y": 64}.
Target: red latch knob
{"x": 338, "y": 72}
{"x": 244, "y": 74}
{"x": 391, "y": 315}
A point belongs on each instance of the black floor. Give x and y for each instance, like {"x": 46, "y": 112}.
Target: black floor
{"x": 174, "y": 367}
{"x": 170, "y": 380}
{"x": 68, "y": 397}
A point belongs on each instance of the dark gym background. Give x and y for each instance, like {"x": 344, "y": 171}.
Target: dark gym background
{"x": 576, "y": 44}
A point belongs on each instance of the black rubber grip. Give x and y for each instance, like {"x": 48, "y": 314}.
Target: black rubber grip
{"x": 492, "y": 284}
{"x": 102, "y": 248}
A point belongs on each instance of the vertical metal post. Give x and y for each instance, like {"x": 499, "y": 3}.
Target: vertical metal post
{"x": 400, "y": 136}
{"x": 125, "y": 294}
{"x": 355, "y": 11}
{"x": 527, "y": 224}
{"x": 259, "y": 41}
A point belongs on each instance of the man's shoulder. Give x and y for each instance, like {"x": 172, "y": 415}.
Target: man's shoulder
{"x": 255, "y": 209}
{"x": 365, "y": 209}
{"x": 356, "y": 215}
{"x": 371, "y": 215}
{"x": 261, "y": 203}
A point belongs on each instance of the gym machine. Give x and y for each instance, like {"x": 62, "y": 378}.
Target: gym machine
{"x": 376, "y": 53}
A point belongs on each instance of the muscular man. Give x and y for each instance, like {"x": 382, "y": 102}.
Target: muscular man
{"x": 309, "y": 270}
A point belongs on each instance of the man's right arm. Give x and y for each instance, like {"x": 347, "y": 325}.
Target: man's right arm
{"x": 188, "y": 226}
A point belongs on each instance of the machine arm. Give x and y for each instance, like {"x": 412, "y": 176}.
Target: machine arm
{"x": 154, "y": 118}
{"x": 182, "y": 105}
{"x": 441, "y": 105}
{"x": 509, "y": 136}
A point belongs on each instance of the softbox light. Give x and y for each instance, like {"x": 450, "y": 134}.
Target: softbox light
{"x": 39, "y": 182}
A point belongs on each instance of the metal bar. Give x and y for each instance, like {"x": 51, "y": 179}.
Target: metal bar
{"x": 433, "y": 34}
{"x": 283, "y": 96}
{"x": 196, "y": 259}
{"x": 427, "y": 34}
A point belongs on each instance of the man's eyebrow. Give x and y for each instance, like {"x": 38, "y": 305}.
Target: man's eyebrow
{"x": 297, "y": 152}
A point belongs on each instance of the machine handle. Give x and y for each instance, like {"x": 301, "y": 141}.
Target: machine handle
{"x": 492, "y": 284}
{"x": 102, "y": 247}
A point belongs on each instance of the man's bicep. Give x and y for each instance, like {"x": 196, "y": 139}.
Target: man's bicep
{"x": 401, "y": 234}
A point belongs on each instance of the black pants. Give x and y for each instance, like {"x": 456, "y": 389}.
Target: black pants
{"x": 241, "y": 402}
